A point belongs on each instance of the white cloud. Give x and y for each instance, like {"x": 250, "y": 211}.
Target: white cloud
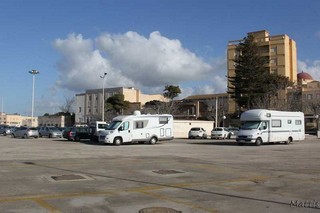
{"x": 130, "y": 59}
{"x": 152, "y": 61}
{"x": 310, "y": 67}
{"x": 81, "y": 65}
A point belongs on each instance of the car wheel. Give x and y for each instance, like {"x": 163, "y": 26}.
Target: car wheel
{"x": 229, "y": 135}
{"x": 117, "y": 141}
{"x": 77, "y": 138}
{"x": 153, "y": 140}
{"x": 25, "y": 136}
{"x": 50, "y": 136}
{"x": 4, "y": 134}
{"x": 288, "y": 141}
{"x": 258, "y": 141}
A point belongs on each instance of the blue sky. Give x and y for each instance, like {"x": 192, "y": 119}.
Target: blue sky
{"x": 141, "y": 43}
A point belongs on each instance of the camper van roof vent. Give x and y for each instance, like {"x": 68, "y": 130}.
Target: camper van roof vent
{"x": 136, "y": 112}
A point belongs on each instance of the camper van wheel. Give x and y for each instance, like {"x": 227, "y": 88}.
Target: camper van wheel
{"x": 117, "y": 141}
{"x": 153, "y": 140}
{"x": 288, "y": 141}
{"x": 258, "y": 142}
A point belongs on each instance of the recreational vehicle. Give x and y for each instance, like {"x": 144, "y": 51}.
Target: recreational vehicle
{"x": 138, "y": 128}
{"x": 268, "y": 126}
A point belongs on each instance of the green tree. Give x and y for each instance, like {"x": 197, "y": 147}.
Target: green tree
{"x": 250, "y": 73}
{"x": 117, "y": 103}
{"x": 154, "y": 106}
{"x": 171, "y": 92}
{"x": 273, "y": 83}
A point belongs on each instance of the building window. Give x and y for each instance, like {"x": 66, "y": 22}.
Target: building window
{"x": 274, "y": 71}
{"x": 79, "y": 109}
{"x": 273, "y": 61}
{"x": 309, "y": 96}
{"x": 273, "y": 49}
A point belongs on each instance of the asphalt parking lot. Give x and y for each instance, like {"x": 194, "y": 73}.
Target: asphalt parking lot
{"x": 54, "y": 175}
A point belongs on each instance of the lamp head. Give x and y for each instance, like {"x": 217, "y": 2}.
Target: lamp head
{"x": 34, "y": 72}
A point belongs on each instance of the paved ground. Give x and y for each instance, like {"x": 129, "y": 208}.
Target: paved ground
{"x": 54, "y": 175}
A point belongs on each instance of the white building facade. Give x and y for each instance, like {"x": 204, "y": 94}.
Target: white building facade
{"x": 89, "y": 104}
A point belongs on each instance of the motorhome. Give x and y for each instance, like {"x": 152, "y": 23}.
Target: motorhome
{"x": 269, "y": 126}
{"x": 138, "y": 128}
{"x": 95, "y": 128}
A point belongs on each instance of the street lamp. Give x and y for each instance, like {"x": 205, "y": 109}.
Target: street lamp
{"x": 33, "y": 73}
{"x": 103, "y": 77}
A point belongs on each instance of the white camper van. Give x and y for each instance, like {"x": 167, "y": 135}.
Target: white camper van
{"x": 268, "y": 126}
{"x": 138, "y": 128}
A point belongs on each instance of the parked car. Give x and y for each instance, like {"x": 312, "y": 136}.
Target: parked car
{"x": 234, "y": 131}
{"x": 197, "y": 132}
{"x": 6, "y": 130}
{"x": 220, "y": 133}
{"x": 25, "y": 132}
{"x": 50, "y": 131}
{"x": 69, "y": 133}
{"x": 77, "y": 133}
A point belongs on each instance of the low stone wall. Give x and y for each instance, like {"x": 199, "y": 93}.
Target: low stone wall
{"x": 182, "y": 127}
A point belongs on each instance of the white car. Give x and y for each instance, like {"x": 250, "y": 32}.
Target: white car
{"x": 197, "y": 132}
{"x": 220, "y": 133}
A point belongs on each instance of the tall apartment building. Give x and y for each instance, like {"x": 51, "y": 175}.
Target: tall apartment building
{"x": 280, "y": 49}
{"x": 89, "y": 104}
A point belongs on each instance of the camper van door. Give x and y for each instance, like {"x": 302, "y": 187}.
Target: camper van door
{"x": 124, "y": 131}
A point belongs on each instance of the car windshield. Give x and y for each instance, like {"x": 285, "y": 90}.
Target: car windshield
{"x": 195, "y": 129}
{"x": 218, "y": 129}
{"x": 250, "y": 125}
{"x": 113, "y": 125}
{"x": 54, "y": 129}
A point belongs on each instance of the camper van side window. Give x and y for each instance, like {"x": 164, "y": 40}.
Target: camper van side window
{"x": 276, "y": 123}
{"x": 139, "y": 124}
{"x": 163, "y": 120}
{"x": 298, "y": 122}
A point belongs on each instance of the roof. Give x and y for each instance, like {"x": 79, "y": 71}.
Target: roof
{"x": 205, "y": 96}
{"x": 304, "y": 76}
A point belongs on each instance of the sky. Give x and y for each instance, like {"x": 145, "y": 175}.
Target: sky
{"x": 145, "y": 44}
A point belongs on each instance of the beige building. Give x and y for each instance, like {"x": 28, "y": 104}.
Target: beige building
{"x": 55, "y": 120}
{"x": 17, "y": 120}
{"x": 280, "y": 49}
{"x": 89, "y": 104}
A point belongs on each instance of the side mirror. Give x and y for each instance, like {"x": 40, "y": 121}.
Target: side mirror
{"x": 120, "y": 128}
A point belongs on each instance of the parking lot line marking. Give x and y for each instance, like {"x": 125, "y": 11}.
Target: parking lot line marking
{"x": 46, "y": 205}
{"x": 179, "y": 201}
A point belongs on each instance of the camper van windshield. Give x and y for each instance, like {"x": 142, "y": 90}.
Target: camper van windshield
{"x": 113, "y": 125}
{"x": 250, "y": 125}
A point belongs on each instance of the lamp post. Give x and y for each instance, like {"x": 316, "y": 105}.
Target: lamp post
{"x": 103, "y": 77}
{"x": 33, "y": 73}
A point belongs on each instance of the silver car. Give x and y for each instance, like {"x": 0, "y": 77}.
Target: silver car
{"x": 25, "y": 132}
{"x": 197, "y": 132}
{"x": 50, "y": 131}
{"x": 220, "y": 133}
